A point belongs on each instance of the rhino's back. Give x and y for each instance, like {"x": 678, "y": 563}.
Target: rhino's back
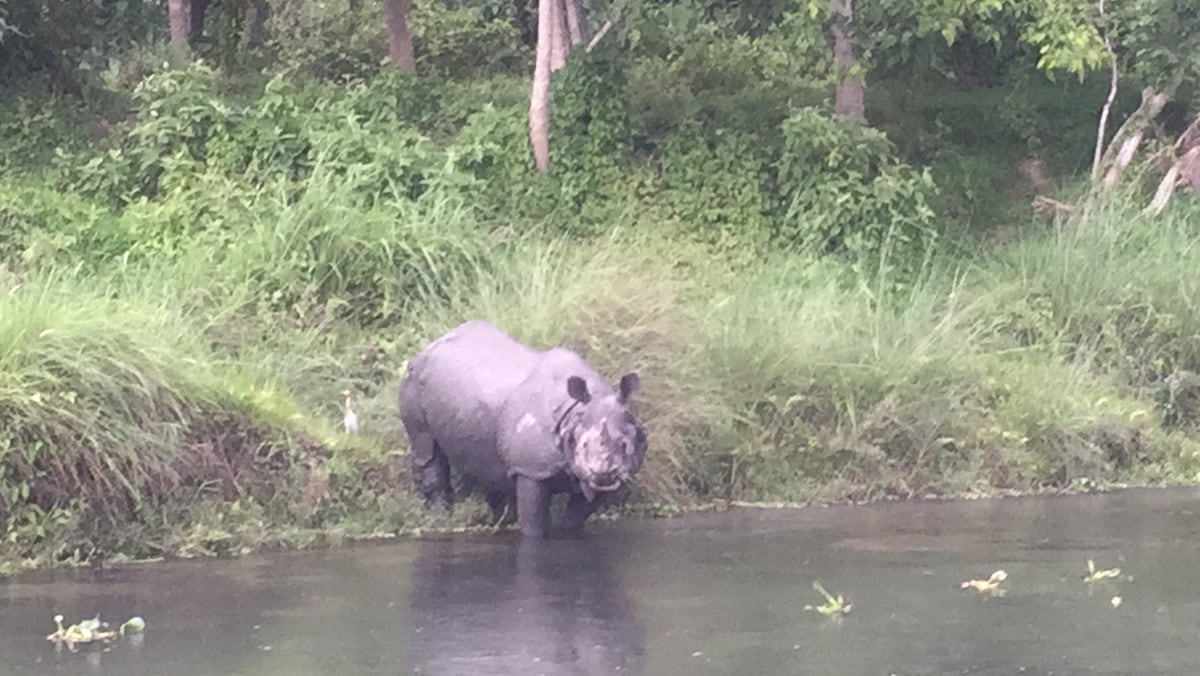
{"x": 527, "y": 421}
{"x": 458, "y": 383}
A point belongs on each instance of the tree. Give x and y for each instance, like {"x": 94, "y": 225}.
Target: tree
{"x": 399, "y": 39}
{"x": 539, "y": 97}
{"x": 254, "y": 21}
{"x": 179, "y": 20}
{"x": 185, "y": 22}
{"x": 849, "y": 89}
{"x": 559, "y": 39}
{"x": 574, "y": 18}
{"x": 559, "y": 29}
{"x": 199, "y": 10}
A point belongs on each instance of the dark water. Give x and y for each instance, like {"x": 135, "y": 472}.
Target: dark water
{"x": 707, "y": 594}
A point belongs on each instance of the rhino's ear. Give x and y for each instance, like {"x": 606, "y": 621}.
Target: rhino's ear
{"x": 630, "y": 384}
{"x": 578, "y": 389}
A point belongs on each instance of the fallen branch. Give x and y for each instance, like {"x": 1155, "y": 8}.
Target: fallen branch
{"x": 1190, "y": 138}
{"x": 1187, "y": 165}
{"x": 1048, "y": 207}
{"x": 1124, "y": 156}
{"x": 1125, "y": 142}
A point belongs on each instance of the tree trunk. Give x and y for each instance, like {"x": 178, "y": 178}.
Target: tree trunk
{"x": 196, "y": 25}
{"x": 558, "y": 37}
{"x": 1125, "y": 142}
{"x": 400, "y": 46}
{"x": 179, "y": 19}
{"x": 252, "y": 27}
{"x": 575, "y": 27}
{"x": 849, "y": 91}
{"x": 539, "y": 98}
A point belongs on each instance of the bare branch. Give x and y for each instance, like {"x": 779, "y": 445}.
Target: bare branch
{"x": 1112, "y": 95}
{"x": 599, "y": 34}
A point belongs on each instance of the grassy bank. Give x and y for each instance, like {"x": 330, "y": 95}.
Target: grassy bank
{"x": 187, "y": 403}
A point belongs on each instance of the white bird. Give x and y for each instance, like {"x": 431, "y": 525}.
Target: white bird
{"x": 350, "y": 418}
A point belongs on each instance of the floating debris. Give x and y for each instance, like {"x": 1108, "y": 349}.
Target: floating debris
{"x": 86, "y": 631}
{"x": 1116, "y": 602}
{"x": 834, "y": 605}
{"x": 992, "y": 584}
{"x": 91, "y": 631}
{"x": 1094, "y": 575}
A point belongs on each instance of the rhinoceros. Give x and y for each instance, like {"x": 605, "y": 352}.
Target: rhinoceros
{"x": 520, "y": 423}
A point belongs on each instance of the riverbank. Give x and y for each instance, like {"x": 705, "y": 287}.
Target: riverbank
{"x": 167, "y": 409}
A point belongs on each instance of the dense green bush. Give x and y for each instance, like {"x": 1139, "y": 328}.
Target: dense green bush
{"x": 843, "y": 190}
{"x": 458, "y": 42}
{"x": 717, "y": 180}
{"x": 39, "y": 227}
{"x": 326, "y": 42}
{"x": 719, "y": 173}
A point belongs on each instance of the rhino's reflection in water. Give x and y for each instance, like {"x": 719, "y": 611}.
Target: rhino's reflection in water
{"x": 522, "y": 607}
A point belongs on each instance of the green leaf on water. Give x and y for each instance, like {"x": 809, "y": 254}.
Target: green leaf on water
{"x": 834, "y": 605}
{"x": 133, "y": 625}
{"x": 1094, "y": 575}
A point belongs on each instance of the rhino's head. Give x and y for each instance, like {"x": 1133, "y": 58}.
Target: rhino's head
{"x": 604, "y": 441}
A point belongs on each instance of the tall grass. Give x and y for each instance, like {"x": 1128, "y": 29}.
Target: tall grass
{"x": 798, "y": 380}
{"x": 113, "y": 408}
{"x": 95, "y": 391}
{"x": 1119, "y": 286}
{"x": 128, "y": 387}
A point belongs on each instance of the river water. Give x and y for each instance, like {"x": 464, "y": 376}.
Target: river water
{"x": 714, "y": 593}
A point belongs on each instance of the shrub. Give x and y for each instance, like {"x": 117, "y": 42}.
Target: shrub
{"x": 457, "y": 42}
{"x": 843, "y": 191}
{"x": 112, "y": 409}
{"x": 325, "y": 42}
{"x": 40, "y": 226}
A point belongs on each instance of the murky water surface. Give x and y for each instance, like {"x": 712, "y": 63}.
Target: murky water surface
{"x": 707, "y": 594}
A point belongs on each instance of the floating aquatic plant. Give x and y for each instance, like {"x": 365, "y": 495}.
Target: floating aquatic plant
{"x": 834, "y": 605}
{"x": 133, "y": 625}
{"x": 92, "y": 630}
{"x": 1094, "y": 575}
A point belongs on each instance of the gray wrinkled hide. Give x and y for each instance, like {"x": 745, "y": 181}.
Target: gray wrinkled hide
{"x": 500, "y": 414}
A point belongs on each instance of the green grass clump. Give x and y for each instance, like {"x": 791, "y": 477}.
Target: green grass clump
{"x": 114, "y": 407}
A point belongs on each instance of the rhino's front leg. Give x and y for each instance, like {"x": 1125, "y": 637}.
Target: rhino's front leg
{"x": 533, "y": 506}
{"x": 579, "y": 508}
